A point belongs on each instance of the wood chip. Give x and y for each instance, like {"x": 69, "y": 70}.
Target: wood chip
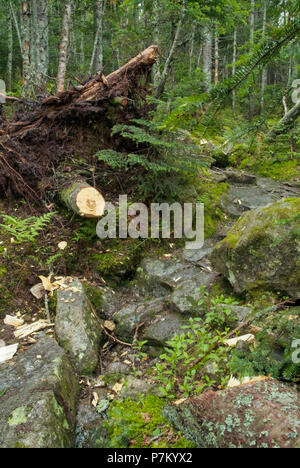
{"x": 109, "y": 325}
{"x": 28, "y": 329}
{"x": 38, "y": 291}
{"x": 246, "y": 338}
{"x": 13, "y": 321}
{"x": 117, "y": 388}
{"x": 8, "y": 352}
{"x": 95, "y": 399}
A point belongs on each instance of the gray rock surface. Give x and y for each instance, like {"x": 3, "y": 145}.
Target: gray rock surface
{"x": 128, "y": 318}
{"x": 262, "y": 414}
{"x": 164, "y": 329}
{"x": 77, "y": 328}
{"x": 185, "y": 297}
{"x": 38, "y": 408}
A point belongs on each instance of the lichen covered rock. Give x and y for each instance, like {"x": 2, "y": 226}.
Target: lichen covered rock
{"x": 263, "y": 414}
{"x": 262, "y": 251}
{"x": 77, "y": 328}
{"x": 39, "y": 398}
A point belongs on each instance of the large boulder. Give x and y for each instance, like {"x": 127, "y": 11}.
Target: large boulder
{"x": 263, "y": 414}
{"x": 39, "y": 398}
{"x": 77, "y": 329}
{"x": 262, "y": 250}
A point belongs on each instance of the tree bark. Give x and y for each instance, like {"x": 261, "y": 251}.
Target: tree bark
{"x": 252, "y": 30}
{"x": 27, "y": 66}
{"x": 97, "y": 54}
{"x": 10, "y": 54}
{"x": 207, "y": 58}
{"x": 43, "y": 46}
{"x": 216, "y": 56}
{"x": 234, "y": 59}
{"x": 285, "y": 123}
{"x": 264, "y": 78}
{"x": 64, "y": 45}
{"x": 83, "y": 199}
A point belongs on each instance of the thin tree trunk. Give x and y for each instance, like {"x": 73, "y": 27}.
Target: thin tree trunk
{"x": 64, "y": 46}
{"x": 43, "y": 43}
{"x": 252, "y": 30}
{"x": 200, "y": 56}
{"x": 264, "y": 78}
{"x": 10, "y": 54}
{"x": 156, "y": 35}
{"x": 207, "y": 58}
{"x": 13, "y": 14}
{"x": 167, "y": 67}
{"x": 217, "y": 57}
{"x": 234, "y": 59}
{"x": 27, "y": 70}
{"x": 101, "y": 5}
{"x": 192, "y": 47}
{"x": 34, "y": 43}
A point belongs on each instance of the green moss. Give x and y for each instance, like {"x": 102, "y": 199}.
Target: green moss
{"x": 18, "y": 416}
{"x": 135, "y": 424}
{"x": 95, "y": 296}
{"x": 211, "y": 194}
{"x": 120, "y": 258}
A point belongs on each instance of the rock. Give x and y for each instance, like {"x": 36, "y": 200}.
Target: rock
{"x": 77, "y": 329}
{"x": 86, "y": 422}
{"x": 262, "y": 250}
{"x": 195, "y": 256}
{"x": 152, "y": 272}
{"x": 164, "y": 329}
{"x": 128, "y": 318}
{"x": 263, "y": 414}
{"x": 134, "y": 388}
{"x": 239, "y": 177}
{"x": 238, "y": 200}
{"x": 186, "y": 296}
{"x": 274, "y": 186}
{"x": 241, "y": 313}
{"x": 38, "y": 409}
{"x": 117, "y": 368}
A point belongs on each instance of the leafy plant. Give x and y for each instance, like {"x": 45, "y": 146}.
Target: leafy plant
{"x": 25, "y": 230}
{"x": 183, "y": 364}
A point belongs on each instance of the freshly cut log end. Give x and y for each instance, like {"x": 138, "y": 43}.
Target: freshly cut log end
{"x": 84, "y": 200}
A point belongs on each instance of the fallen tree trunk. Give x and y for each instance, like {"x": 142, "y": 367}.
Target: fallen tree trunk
{"x": 83, "y": 200}
{"x": 34, "y": 146}
{"x": 285, "y": 123}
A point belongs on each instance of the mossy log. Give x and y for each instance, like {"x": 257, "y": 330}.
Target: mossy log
{"x": 83, "y": 200}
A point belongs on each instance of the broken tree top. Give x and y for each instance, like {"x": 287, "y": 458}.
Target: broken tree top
{"x": 36, "y": 144}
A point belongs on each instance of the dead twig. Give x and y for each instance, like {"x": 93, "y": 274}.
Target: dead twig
{"x": 116, "y": 340}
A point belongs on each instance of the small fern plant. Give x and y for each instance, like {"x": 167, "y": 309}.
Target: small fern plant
{"x": 25, "y": 230}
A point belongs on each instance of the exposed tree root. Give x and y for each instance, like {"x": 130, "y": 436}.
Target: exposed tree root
{"x": 77, "y": 121}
